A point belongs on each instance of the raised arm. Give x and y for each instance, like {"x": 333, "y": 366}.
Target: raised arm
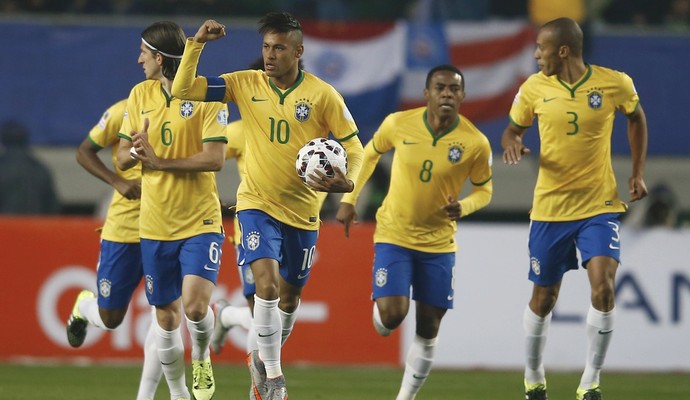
{"x": 186, "y": 84}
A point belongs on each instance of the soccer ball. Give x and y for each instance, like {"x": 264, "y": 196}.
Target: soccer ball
{"x": 320, "y": 154}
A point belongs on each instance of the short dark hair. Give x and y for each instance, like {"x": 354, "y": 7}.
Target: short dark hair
{"x": 445, "y": 67}
{"x": 280, "y": 22}
{"x": 566, "y": 32}
{"x": 166, "y": 37}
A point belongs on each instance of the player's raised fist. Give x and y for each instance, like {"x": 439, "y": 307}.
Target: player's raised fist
{"x": 209, "y": 30}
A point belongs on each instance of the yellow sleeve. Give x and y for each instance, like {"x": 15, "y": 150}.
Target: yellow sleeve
{"x": 354, "y": 151}
{"x": 479, "y": 198}
{"x": 186, "y": 84}
{"x": 482, "y": 183}
{"x": 369, "y": 161}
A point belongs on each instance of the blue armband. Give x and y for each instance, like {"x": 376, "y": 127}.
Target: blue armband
{"x": 216, "y": 89}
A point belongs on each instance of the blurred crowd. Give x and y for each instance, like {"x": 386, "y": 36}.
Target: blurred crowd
{"x": 671, "y": 14}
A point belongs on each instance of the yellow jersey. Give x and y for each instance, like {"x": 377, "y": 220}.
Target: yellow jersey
{"x": 277, "y": 123}
{"x": 576, "y": 178}
{"x": 235, "y": 149}
{"x": 426, "y": 169}
{"x": 176, "y": 205}
{"x": 122, "y": 220}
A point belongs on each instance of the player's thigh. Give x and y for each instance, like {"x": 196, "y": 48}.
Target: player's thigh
{"x": 552, "y": 251}
{"x": 392, "y": 271}
{"x": 119, "y": 272}
{"x": 298, "y": 249}
{"x": 261, "y": 237}
{"x": 200, "y": 255}
{"x": 162, "y": 271}
{"x": 433, "y": 279}
{"x": 600, "y": 236}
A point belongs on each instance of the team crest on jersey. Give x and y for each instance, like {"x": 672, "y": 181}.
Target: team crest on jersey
{"x": 253, "y": 240}
{"x": 381, "y": 277}
{"x": 149, "y": 284}
{"x": 595, "y": 98}
{"x": 104, "y": 287}
{"x": 535, "y": 265}
{"x": 455, "y": 153}
{"x": 186, "y": 109}
{"x": 222, "y": 117}
{"x": 303, "y": 110}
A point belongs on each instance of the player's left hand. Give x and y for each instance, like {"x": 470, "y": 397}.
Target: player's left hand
{"x": 337, "y": 184}
{"x": 145, "y": 153}
{"x": 637, "y": 188}
{"x": 452, "y": 208}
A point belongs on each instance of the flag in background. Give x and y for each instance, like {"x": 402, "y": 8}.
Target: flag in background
{"x": 380, "y": 68}
{"x": 495, "y": 57}
{"x": 364, "y": 62}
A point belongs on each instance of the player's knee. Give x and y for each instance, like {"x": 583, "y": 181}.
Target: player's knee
{"x": 195, "y": 312}
{"x": 112, "y": 319}
{"x": 391, "y": 319}
{"x": 603, "y": 297}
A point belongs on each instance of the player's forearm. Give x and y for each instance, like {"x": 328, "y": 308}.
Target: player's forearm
{"x": 89, "y": 160}
{"x": 186, "y": 84}
{"x": 478, "y": 199}
{"x": 637, "y": 136}
{"x": 355, "y": 154}
{"x": 209, "y": 160}
{"x": 367, "y": 164}
{"x": 124, "y": 159}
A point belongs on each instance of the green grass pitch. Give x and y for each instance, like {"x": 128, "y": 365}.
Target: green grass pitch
{"x": 112, "y": 382}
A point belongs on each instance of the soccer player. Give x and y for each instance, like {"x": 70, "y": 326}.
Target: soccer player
{"x": 227, "y": 315}
{"x": 436, "y": 151}
{"x": 119, "y": 263}
{"x": 281, "y": 109}
{"x": 576, "y": 204}
{"x": 180, "y": 144}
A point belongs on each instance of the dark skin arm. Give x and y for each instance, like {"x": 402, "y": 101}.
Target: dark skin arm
{"x": 87, "y": 157}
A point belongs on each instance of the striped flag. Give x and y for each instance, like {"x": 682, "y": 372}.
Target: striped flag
{"x": 363, "y": 61}
{"x": 380, "y": 68}
{"x": 495, "y": 58}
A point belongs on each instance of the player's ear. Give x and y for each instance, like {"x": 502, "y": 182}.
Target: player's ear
{"x": 563, "y": 51}
{"x": 299, "y": 50}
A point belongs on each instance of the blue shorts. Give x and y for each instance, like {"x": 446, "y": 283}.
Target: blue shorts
{"x": 430, "y": 275}
{"x": 265, "y": 237}
{"x": 118, "y": 273}
{"x": 167, "y": 262}
{"x": 553, "y": 246}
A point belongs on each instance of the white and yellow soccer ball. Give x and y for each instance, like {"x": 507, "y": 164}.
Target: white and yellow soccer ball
{"x": 320, "y": 154}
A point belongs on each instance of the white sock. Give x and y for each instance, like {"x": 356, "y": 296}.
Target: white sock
{"x": 88, "y": 308}
{"x": 287, "y": 321}
{"x": 152, "y": 371}
{"x": 599, "y": 332}
{"x": 251, "y": 339}
{"x": 268, "y": 333}
{"x": 420, "y": 357}
{"x": 378, "y": 325}
{"x": 171, "y": 355}
{"x": 200, "y": 333}
{"x": 232, "y": 316}
{"x": 536, "y": 330}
